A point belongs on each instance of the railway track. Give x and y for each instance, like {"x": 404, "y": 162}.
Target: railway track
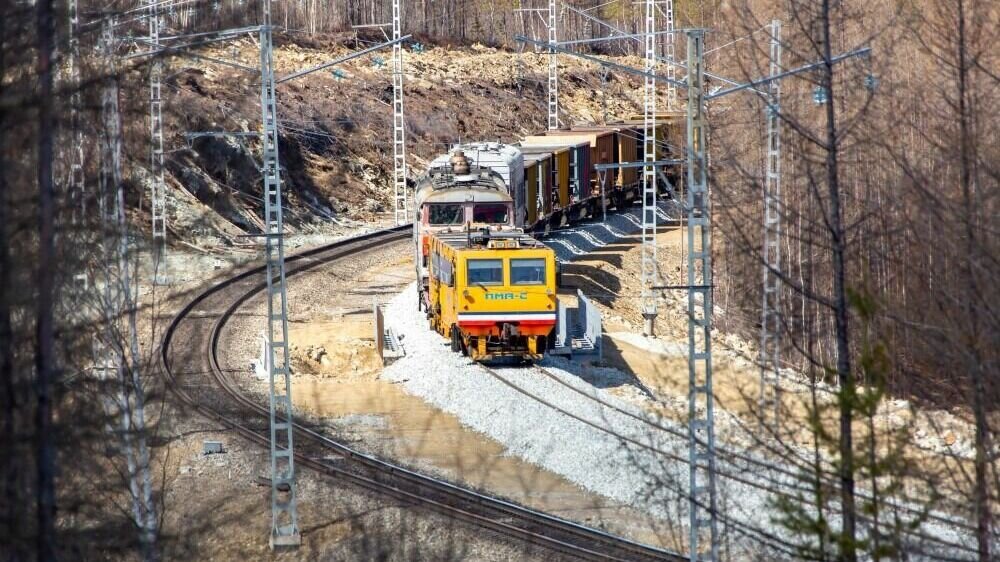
{"x": 769, "y": 476}
{"x": 188, "y": 355}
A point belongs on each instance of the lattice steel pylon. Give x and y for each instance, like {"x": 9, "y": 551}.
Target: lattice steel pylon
{"x": 400, "y": 207}
{"x": 284, "y": 511}
{"x": 770, "y": 325}
{"x": 669, "y": 53}
{"x": 553, "y": 68}
{"x": 157, "y": 199}
{"x": 648, "y": 256}
{"x": 703, "y": 514}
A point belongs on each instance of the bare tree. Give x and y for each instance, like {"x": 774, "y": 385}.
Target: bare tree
{"x": 833, "y": 209}
{"x": 45, "y": 353}
{"x": 959, "y": 39}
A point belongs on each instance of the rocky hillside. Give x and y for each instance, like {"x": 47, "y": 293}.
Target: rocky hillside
{"x": 336, "y": 150}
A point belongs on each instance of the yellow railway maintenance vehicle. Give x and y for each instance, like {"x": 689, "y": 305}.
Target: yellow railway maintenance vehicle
{"x": 492, "y": 293}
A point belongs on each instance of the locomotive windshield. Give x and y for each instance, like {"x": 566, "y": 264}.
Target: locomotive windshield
{"x": 446, "y": 214}
{"x": 490, "y": 213}
{"x": 529, "y": 271}
{"x": 485, "y": 272}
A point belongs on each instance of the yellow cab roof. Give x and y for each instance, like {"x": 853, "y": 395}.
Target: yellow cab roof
{"x": 475, "y": 240}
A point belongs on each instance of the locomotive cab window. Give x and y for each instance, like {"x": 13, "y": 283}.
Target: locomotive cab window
{"x": 485, "y": 272}
{"x": 490, "y": 213}
{"x": 442, "y": 270}
{"x": 446, "y": 214}
{"x": 529, "y": 271}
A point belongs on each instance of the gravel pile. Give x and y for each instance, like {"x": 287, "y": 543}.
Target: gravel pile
{"x": 643, "y": 466}
{"x": 621, "y": 470}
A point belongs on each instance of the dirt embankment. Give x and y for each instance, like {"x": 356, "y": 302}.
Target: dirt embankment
{"x": 336, "y": 126}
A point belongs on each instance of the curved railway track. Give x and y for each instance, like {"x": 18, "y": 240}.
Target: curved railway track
{"x": 188, "y": 355}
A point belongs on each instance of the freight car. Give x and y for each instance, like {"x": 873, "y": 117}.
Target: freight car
{"x": 542, "y": 183}
{"x": 492, "y": 293}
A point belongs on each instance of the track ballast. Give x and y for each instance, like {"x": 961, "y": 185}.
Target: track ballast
{"x": 188, "y": 356}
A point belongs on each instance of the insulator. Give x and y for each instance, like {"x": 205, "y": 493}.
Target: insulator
{"x": 871, "y": 82}
{"x": 820, "y": 95}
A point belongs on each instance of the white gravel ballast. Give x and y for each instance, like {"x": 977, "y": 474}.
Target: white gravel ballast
{"x": 643, "y": 468}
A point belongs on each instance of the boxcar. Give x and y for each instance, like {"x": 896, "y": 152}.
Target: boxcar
{"x": 602, "y": 151}
{"x": 670, "y": 139}
{"x": 554, "y": 162}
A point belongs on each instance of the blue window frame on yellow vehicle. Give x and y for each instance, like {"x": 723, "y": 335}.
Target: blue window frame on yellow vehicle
{"x": 485, "y": 272}
{"x": 442, "y": 269}
{"x": 527, "y": 271}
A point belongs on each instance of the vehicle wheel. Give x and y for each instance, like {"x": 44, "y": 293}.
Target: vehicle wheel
{"x": 456, "y": 339}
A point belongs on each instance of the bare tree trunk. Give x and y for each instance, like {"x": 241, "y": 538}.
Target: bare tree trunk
{"x": 8, "y": 399}
{"x": 45, "y": 345}
{"x": 809, "y": 327}
{"x": 978, "y": 389}
{"x": 848, "y": 551}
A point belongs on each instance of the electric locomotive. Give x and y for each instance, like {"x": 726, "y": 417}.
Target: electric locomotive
{"x": 453, "y": 197}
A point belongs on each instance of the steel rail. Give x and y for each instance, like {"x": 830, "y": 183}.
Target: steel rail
{"x": 730, "y": 454}
{"x": 786, "y": 548}
{"x": 726, "y": 453}
{"x": 493, "y": 513}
